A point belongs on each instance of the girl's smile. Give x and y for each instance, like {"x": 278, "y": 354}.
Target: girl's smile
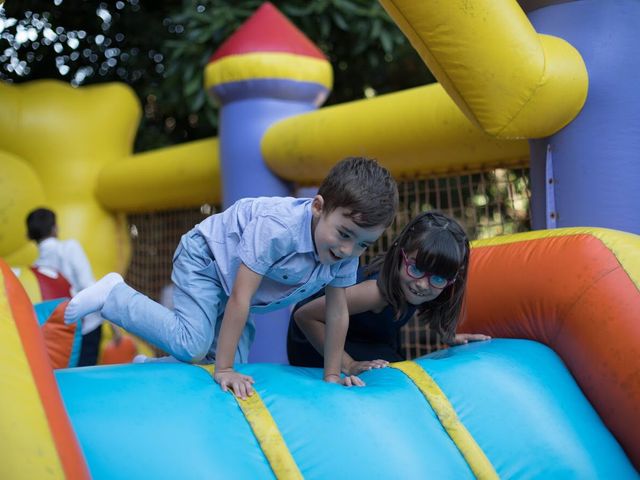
{"x": 416, "y": 296}
{"x": 416, "y": 293}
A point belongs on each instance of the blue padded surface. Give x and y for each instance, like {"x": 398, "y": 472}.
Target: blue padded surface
{"x": 515, "y": 397}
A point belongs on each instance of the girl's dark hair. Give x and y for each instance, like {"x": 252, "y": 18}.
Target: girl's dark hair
{"x": 442, "y": 248}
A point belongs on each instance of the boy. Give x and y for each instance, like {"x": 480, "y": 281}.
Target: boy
{"x": 259, "y": 255}
{"x": 67, "y": 258}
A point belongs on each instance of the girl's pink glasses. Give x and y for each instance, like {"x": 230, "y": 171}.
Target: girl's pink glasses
{"x": 436, "y": 281}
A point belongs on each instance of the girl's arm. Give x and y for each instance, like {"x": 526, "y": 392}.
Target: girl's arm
{"x": 233, "y": 323}
{"x": 362, "y": 297}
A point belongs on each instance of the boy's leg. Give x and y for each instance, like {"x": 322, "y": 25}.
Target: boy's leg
{"x": 186, "y": 290}
{"x": 187, "y": 333}
{"x": 91, "y": 299}
{"x": 140, "y": 358}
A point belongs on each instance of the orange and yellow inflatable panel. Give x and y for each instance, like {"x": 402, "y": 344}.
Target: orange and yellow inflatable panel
{"x": 42, "y": 442}
{"x": 577, "y": 290}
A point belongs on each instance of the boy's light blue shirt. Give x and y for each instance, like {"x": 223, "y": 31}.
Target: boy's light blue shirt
{"x": 272, "y": 236}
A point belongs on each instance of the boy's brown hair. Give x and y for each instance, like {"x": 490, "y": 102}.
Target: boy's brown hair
{"x": 365, "y": 188}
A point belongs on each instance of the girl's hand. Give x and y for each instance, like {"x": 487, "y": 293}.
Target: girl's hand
{"x": 462, "y": 338}
{"x": 347, "y": 380}
{"x": 239, "y": 383}
{"x": 356, "y": 368}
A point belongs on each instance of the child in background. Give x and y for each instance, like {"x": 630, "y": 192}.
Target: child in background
{"x": 67, "y": 258}
{"x": 259, "y": 255}
{"x": 425, "y": 270}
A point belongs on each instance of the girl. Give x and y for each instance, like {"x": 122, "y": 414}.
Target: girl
{"x": 425, "y": 270}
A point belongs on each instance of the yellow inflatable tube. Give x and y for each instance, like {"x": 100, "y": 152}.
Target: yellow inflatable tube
{"x": 20, "y": 192}
{"x": 506, "y": 78}
{"x": 414, "y": 132}
{"x": 174, "y": 177}
{"x": 70, "y": 149}
{"x": 63, "y": 137}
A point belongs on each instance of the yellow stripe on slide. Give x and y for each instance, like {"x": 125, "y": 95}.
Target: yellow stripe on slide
{"x": 472, "y": 453}
{"x": 266, "y": 431}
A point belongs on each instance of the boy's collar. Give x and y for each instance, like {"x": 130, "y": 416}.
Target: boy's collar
{"x": 47, "y": 241}
{"x": 306, "y": 243}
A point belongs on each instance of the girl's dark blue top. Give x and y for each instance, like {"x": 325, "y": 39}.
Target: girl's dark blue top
{"x": 371, "y": 327}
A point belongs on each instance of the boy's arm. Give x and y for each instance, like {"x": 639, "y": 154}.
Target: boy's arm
{"x": 233, "y": 323}
{"x": 310, "y": 317}
{"x": 337, "y": 323}
{"x": 311, "y": 320}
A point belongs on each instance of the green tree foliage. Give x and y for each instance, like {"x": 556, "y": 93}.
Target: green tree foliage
{"x": 160, "y": 49}
{"x": 85, "y": 43}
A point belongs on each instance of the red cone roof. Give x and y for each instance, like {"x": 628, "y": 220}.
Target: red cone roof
{"x": 268, "y": 30}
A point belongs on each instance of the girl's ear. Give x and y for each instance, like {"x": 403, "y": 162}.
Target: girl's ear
{"x": 317, "y": 206}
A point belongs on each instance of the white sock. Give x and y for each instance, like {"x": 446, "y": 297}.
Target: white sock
{"x": 92, "y": 298}
{"x": 140, "y": 358}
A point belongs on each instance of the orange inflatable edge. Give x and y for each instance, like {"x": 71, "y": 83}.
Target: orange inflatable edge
{"x": 71, "y": 456}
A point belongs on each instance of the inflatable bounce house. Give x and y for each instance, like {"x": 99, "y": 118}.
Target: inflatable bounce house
{"x": 555, "y": 394}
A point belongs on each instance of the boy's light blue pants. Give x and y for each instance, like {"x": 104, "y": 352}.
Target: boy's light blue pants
{"x": 190, "y": 331}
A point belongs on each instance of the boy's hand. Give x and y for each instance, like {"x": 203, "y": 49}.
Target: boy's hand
{"x": 356, "y": 368}
{"x": 347, "y": 380}
{"x": 238, "y": 382}
{"x": 462, "y": 338}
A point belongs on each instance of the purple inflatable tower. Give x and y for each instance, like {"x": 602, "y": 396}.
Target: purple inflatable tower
{"x": 265, "y": 72}
{"x": 588, "y": 174}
